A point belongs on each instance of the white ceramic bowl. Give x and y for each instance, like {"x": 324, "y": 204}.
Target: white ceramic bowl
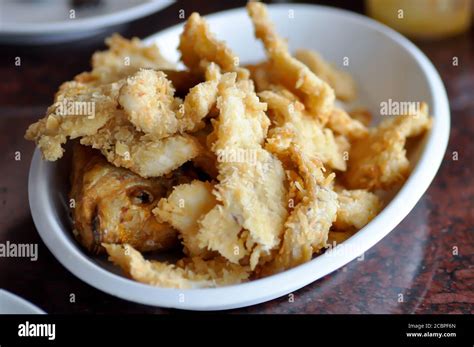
{"x": 385, "y": 65}
{"x": 41, "y": 22}
{"x": 13, "y": 304}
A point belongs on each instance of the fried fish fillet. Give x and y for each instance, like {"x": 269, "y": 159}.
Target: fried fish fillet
{"x": 197, "y": 45}
{"x": 343, "y": 124}
{"x": 317, "y": 95}
{"x": 294, "y": 127}
{"x": 113, "y": 205}
{"x": 78, "y": 110}
{"x": 183, "y": 208}
{"x": 123, "y": 58}
{"x": 356, "y": 208}
{"x": 307, "y": 227}
{"x": 200, "y": 100}
{"x": 148, "y": 99}
{"x": 124, "y": 146}
{"x": 251, "y": 191}
{"x": 378, "y": 161}
{"x": 187, "y": 273}
{"x": 108, "y": 128}
{"x": 342, "y": 83}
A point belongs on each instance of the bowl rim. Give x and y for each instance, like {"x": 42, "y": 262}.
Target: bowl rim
{"x": 242, "y": 295}
{"x": 26, "y": 305}
{"x": 89, "y": 23}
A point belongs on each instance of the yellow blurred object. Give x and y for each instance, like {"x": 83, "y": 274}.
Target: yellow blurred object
{"x": 426, "y": 19}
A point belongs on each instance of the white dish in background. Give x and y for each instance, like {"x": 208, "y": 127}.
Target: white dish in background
{"x": 13, "y": 304}
{"x": 385, "y": 65}
{"x": 48, "y": 21}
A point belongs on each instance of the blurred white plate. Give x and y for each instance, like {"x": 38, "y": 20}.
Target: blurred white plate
{"x": 385, "y": 65}
{"x": 13, "y": 304}
{"x": 49, "y": 21}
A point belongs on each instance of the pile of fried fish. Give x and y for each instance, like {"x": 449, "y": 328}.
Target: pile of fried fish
{"x": 250, "y": 170}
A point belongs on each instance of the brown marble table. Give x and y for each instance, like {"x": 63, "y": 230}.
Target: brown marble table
{"x": 418, "y": 259}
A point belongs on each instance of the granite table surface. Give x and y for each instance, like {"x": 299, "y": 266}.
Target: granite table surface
{"x": 427, "y": 260}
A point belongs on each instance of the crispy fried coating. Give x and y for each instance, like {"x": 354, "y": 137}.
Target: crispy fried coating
{"x": 251, "y": 189}
{"x": 342, "y": 83}
{"x": 108, "y": 129}
{"x": 148, "y": 99}
{"x": 183, "y": 208}
{"x": 261, "y": 75}
{"x": 343, "y": 124}
{"x": 337, "y": 237}
{"x": 78, "y": 110}
{"x": 307, "y": 227}
{"x": 187, "y": 273}
{"x": 200, "y": 100}
{"x": 379, "y": 160}
{"x": 294, "y": 127}
{"x": 361, "y": 114}
{"x": 197, "y": 45}
{"x": 123, "y": 58}
{"x": 114, "y": 205}
{"x": 316, "y": 94}
{"x": 124, "y": 146}
{"x": 356, "y": 208}
{"x": 149, "y": 102}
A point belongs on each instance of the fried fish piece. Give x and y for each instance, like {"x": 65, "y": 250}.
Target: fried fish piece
{"x": 78, "y": 110}
{"x": 317, "y": 95}
{"x": 198, "y": 46}
{"x": 342, "y": 123}
{"x": 261, "y": 75}
{"x": 124, "y": 146}
{"x": 123, "y": 58}
{"x": 307, "y": 227}
{"x": 148, "y": 100}
{"x": 114, "y": 205}
{"x": 362, "y": 114}
{"x": 183, "y": 208}
{"x": 200, "y": 100}
{"x": 109, "y": 130}
{"x": 342, "y": 82}
{"x": 251, "y": 191}
{"x": 187, "y": 273}
{"x": 294, "y": 127}
{"x": 356, "y": 208}
{"x": 378, "y": 161}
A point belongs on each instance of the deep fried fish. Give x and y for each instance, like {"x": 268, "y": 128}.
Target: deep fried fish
{"x": 294, "y": 127}
{"x": 198, "y": 47}
{"x": 307, "y": 227}
{"x": 343, "y": 124}
{"x": 183, "y": 208}
{"x": 378, "y": 161}
{"x": 316, "y": 94}
{"x": 113, "y": 205}
{"x": 187, "y": 273}
{"x": 342, "y": 83}
{"x": 78, "y": 110}
{"x": 124, "y": 146}
{"x": 123, "y": 58}
{"x": 251, "y": 190}
{"x": 148, "y": 99}
{"x": 356, "y": 208}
